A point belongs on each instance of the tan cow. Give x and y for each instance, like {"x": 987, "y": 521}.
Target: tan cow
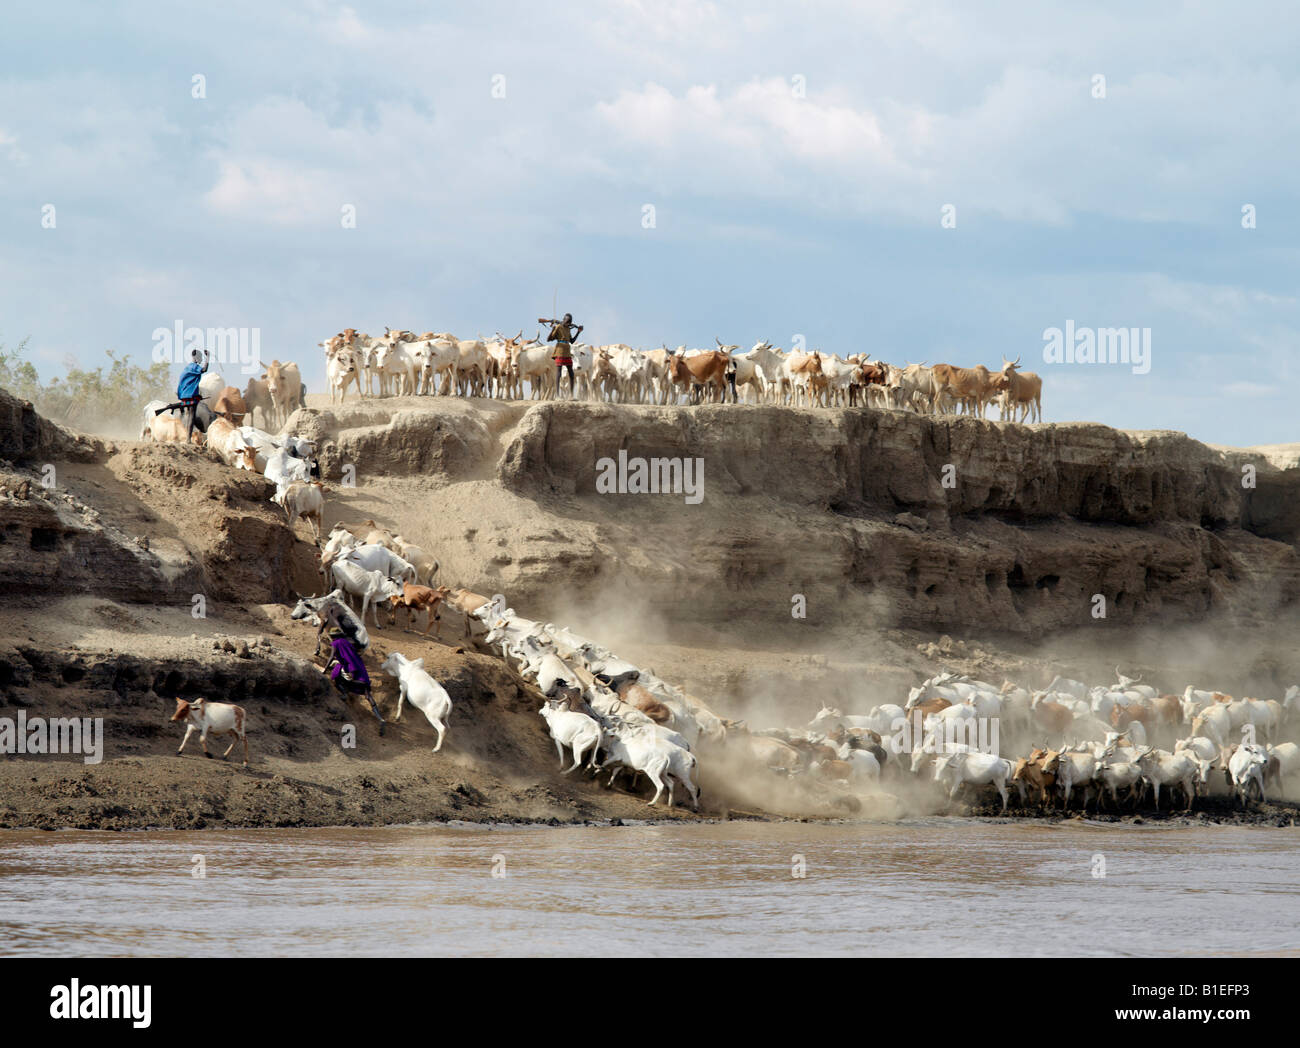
{"x": 257, "y": 397}
{"x": 656, "y": 366}
{"x": 798, "y": 372}
{"x": 503, "y": 369}
{"x": 1020, "y": 390}
{"x": 467, "y": 602}
{"x": 639, "y": 698}
{"x": 169, "y": 429}
{"x": 229, "y": 444}
{"x": 285, "y": 384}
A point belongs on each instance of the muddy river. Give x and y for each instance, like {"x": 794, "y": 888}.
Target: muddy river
{"x": 943, "y": 886}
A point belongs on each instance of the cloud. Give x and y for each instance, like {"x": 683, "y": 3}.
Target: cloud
{"x": 798, "y": 160}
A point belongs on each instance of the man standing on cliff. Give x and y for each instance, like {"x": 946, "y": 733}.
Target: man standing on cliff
{"x": 563, "y": 333}
{"x": 188, "y": 392}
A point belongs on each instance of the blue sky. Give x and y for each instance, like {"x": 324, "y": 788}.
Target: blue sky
{"x": 798, "y": 158}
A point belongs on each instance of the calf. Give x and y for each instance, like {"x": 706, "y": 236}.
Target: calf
{"x": 219, "y": 718}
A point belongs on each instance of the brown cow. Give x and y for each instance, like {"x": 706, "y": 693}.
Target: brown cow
{"x": 1052, "y": 717}
{"x": 934, "y": 704}
{"x": 1123, "y": 715}
{"x": 639, "y": 698}
{"x": 706, "y": 370}
{"x": 413, "y": 598}
{"x": 970, "y": 387}
{"x": 866, "y": 375}
{"x": 1038, "y": 770}
{"x": 230, "y": 405}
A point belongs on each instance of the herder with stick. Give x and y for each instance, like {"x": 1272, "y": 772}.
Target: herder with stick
{"x": 563, "y": 333}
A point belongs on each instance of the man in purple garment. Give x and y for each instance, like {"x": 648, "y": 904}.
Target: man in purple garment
{"x": 348, "y": 672}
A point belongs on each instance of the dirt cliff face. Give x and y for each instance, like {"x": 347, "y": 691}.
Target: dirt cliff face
{"x": 883, "y": 517}
{"x": 873, "y": 518}
{"x": 137, "y": 522}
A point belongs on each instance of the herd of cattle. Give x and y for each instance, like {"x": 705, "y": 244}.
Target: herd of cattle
{"x": 402, "y": 363}
{"x": 1122, "y": 743}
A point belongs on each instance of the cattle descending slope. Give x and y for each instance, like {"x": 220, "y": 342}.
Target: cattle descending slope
{"x": 875, "y": 517}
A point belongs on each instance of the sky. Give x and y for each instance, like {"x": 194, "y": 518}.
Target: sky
{"x": 921, "y": 181}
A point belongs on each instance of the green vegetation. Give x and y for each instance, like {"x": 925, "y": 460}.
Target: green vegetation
{"x": 102, "y": 398}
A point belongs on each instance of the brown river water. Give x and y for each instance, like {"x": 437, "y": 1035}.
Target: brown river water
{"x": 925, "y": 887}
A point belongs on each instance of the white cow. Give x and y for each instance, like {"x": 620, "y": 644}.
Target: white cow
{"x": 371, "y": 586}
{"x": 643, "y": 752}
{"x": 976, "y": 769}
{"x": 423, "y": 692}
{"x": 1246, "y": 769}
{"x": 641, "y": 743}
{"x": 575, "y": 730}
{"x": 1161, "y": 768}
{"x": 374, "y": 557}
{"x": 1285, "y": 759}
{"x": 283, "y": 468}
{"x": 341, "y": 372}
